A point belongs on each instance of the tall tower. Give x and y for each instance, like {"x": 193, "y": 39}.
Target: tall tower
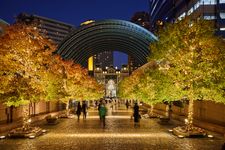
{"x": 3, "y": 25}
{"x": 104, "y": 59}
{"x": 50, "y": 28}
{"x": 142, "y": 19}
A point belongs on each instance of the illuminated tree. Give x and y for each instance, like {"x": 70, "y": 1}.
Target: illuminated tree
{"x": 29, "y": 72}
{"x": 127, "y": 87}
{"x": 195, "y": 61}
{"x": 77, "y": 84}
{"x": 24, "y": 59}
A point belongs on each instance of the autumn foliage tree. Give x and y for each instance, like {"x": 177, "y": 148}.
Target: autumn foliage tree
{"x": 30, "y": 72}
{"x": 24, "y": 56}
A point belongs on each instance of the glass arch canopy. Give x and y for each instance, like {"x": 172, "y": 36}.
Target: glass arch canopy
{"x": 107, "y": 35}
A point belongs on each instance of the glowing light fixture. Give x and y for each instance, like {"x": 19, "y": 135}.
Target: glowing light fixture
{"x": 2, "y": 137}
{"x": 180, "y": 136}
{"x": 31, "y": 137}
{"x": 210, "y": 136}
{"x": 44, "y": 131}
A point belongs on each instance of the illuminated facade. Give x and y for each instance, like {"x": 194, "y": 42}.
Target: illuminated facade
{"x": 110, "y": 77}
{"x": 171, "y": 10}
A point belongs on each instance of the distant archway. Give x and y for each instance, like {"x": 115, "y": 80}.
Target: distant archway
{"x": 107, "y": 35}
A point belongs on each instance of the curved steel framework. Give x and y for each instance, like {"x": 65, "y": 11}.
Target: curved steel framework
{"x": 107, "y": 35}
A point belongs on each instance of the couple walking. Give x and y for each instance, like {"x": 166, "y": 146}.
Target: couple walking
{"x": 82, "y": 109}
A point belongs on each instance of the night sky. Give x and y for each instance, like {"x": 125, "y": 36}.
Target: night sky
{"x": 75, "y": 12}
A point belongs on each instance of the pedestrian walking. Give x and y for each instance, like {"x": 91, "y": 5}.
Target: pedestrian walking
{"x": 75, "y": 107}
{"x": 127, "y": 104}
{"x": 136, "y": 113}
{"x": 78, "y": 112}
{"x": 102, "y": 113}
{"x": 84, "y": 109}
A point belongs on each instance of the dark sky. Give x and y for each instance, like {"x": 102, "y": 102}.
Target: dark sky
{"x": 75, "y": 12}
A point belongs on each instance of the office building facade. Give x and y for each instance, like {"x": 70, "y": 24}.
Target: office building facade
{"x": 162, "y": 11}
{"x": 50, "y": 28}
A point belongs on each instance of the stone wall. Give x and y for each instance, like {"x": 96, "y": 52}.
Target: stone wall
{"x": 207, "y": 114}
{"x": 8, "y": 115}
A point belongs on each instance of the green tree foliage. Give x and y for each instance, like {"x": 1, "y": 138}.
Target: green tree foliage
{"x": 195, "y": 60}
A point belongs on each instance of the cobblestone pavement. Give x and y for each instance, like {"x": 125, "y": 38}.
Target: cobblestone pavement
{"x": 120, "y": 133}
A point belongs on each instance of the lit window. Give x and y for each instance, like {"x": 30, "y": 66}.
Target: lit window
{"x": 209, "y": 17}
{"x": 222, "y": 15}
{"x": 222, "y": 1}
{"x": 208, "y": 2}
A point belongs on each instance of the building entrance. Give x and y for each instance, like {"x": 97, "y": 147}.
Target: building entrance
{"x": 110, "y": 89}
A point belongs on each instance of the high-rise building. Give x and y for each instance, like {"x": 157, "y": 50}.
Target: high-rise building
{"x": 50, "y": 28}
{"x": 160, "y": 11}
{"x": 104, "y": 59}
{"x": 171, "y": 10}
{"x": 132, "y": 64}
{"x": 142, "y": 19}
{"x": 3, "y": 25}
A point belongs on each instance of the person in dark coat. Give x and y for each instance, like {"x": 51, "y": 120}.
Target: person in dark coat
{"x": 136, "y": 113}
{"x": 127, "y": 104}
{"x": 78, "y": 111}
{"x": 84, "y": 109}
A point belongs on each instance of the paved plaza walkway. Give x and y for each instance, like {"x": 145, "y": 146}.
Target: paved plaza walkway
{"x": 120, "y": 133}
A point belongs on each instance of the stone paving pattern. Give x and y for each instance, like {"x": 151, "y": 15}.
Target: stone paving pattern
{"x": 120, "y": 133}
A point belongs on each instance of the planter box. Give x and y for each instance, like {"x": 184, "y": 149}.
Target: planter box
{"x": 51, "y": 120}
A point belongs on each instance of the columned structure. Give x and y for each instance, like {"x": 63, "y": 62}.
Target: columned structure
{"x": 110, "y": 77}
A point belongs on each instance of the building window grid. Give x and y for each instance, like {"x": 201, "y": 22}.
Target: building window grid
{"x": 197, "y": 5}
{"x": 209, "y": 17}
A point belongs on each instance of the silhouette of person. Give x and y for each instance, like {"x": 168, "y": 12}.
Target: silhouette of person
{"x": 84, "y": 109}
{"x": 127, "y": 104}
{"x": 78, "y": 111}
{"x": 136, "y": 112}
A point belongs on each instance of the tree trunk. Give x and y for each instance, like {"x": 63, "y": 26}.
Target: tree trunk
{"x": 167, "y": 111}
{"x": 67, "y": 108}
{"x": 26, "y": 121}
{"x": 152, "y": 108}
{"x": 190, "y": 114}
